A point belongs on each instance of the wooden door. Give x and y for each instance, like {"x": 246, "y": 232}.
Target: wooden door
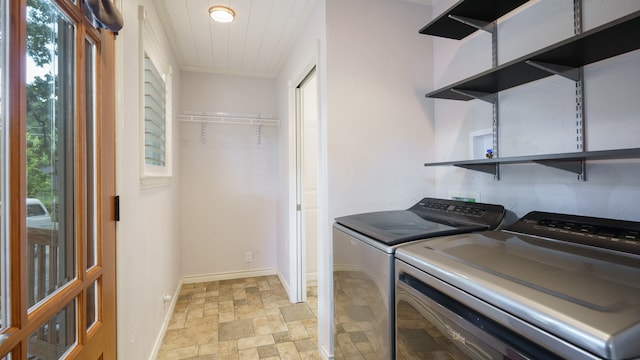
{"x": 58, "y": 181}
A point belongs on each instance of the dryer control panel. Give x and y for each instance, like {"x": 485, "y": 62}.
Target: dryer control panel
{"x": 611, "y": 234}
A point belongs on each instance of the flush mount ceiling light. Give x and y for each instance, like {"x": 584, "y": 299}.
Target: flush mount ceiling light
{"x": 222, "y": 13}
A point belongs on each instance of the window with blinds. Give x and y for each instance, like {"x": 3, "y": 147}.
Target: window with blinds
{"x": 155, "y": 108}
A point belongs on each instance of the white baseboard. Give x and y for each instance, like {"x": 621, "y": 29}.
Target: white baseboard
{"x": 312, "y": 279}
{"x": 192, "y": 279}
{"x": 324, "y": 354}
{"x": 165, "y": 323}
{"x": 285, "y": 285}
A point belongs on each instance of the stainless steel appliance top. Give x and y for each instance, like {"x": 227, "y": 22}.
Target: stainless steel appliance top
{"x": 428, "y": 218}
{"x": 577, "y": 278}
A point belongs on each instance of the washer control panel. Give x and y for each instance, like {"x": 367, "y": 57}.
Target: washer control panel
{"x": 459, "y": 212}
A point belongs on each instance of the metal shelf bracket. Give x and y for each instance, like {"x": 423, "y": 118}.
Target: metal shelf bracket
{"x": 488, "y": 97}
{"x": 573, "y": 165}
{"x": 475, "y": 23}
{"x": 568, "y": 72}
{"x": 485, "y": 168}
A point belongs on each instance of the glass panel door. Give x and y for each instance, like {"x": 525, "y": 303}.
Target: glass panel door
{"x": 57, "y": 232}
{"x": 50, "y": 154}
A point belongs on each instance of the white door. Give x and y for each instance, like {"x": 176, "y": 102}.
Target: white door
{"x": 307, "y": 183}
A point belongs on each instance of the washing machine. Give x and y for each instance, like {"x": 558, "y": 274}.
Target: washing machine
{"x": 363, "y": 266}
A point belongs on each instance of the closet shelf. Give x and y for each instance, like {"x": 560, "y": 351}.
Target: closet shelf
{"x": 571, "y": 162}
{"x": 467, "y": 16}
{"x": 224, "y": 118}
{"x": 614, "y": 38}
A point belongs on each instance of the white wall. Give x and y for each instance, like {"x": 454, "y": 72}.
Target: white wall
{"x": 379, "y": 125}
{"x": 229, "y": 178}
{"x": 148, "y": 250}
{"x": 376, "y": 126}
{"x": 305, "y": 54}
{"x": 539, "y": 117}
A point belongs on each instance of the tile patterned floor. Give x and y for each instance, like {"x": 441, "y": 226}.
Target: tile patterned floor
{"x": 239, "y": 319}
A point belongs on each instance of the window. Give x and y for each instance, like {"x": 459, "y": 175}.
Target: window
{"x": 154, "y": 115}
{"x": 156, "y": 108}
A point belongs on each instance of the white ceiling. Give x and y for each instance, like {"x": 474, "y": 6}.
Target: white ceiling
{"x": 254, "y": 44}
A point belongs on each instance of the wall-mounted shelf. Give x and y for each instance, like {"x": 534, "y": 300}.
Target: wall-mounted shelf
{"x": 565, "y": 58}
{"x": 467, "y": 16}
{"x": 225, "y": 118}
{"x": 572, "y": 162}
{"x": 608, "y": 40}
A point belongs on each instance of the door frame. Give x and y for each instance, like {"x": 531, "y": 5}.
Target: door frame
{"x": 297, "y": 248}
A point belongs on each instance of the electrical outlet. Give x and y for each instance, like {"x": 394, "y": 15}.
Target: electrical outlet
{"x": 248, "y": 256}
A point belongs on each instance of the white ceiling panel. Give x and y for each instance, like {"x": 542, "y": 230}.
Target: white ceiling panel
{"x": 254, "y": 44}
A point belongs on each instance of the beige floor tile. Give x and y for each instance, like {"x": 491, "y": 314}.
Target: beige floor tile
{"x": 195, "y": 311}
{"x": 277, "y": 323}
{"x": 177, "y": 321}
{"x": 208, "y": 349}
{"x": 297, "y": 330}
{"x": 226, "y": 317}
{"x": 240, "y": 319}
{"x": 177, "y": 354}
{"x": 211, "y": 304}
{"x": 296, "y": 312}
{"x": 248, "y": 354}
{"x": 288, "y": 351}
{"x": 268, "y": 351}
{"x": 210, "y": 321}
{"x": 249, "y": 312}
{"x": 225, "y": 306}
{"x": 255, "y": 341}
{"x": 228, "y": 350}
{"x": 310, "y": 355}
{"x": 210, "y": 312}
{"x": 261, "y": 326}
{"x": 236, "y": 329}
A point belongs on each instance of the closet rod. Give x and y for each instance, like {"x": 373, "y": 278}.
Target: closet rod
{"x": 219, "y": 118}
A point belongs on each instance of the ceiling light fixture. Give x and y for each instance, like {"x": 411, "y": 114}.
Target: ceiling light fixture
{"x": 222, "y": 13}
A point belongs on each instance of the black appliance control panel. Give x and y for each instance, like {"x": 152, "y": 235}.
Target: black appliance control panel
{"x": 611, "y": 234}
{"x": 456, "y": 211}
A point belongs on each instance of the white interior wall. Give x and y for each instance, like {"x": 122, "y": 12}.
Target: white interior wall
{"x": 304, "y": 55}
{"x": 539, "y": 117}
{"x": 148, "y": 250}
{"x": 229, "y": 178}
{"x": 375, "y": 125}
{"x": 379, "y": 125}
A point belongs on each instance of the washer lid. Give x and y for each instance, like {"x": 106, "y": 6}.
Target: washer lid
{"x": 428, "y": 218}
{"x": 587, "y": 296}
{"x": 398, "y": 226}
